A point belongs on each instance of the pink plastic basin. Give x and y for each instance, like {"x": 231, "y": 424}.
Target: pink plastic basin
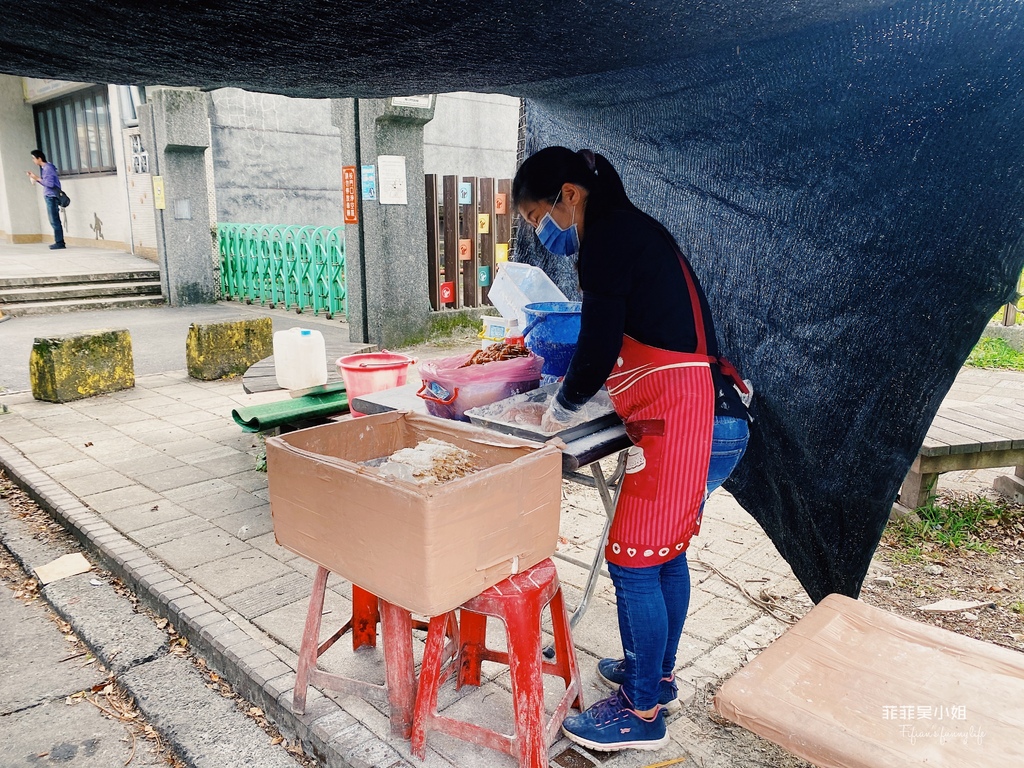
{"x": 372, "y": 372}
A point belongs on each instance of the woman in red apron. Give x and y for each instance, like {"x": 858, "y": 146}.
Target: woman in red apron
{"x": 646, "y": 334}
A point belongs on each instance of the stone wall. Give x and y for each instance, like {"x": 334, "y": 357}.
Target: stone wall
{"x": 276, "y": 160}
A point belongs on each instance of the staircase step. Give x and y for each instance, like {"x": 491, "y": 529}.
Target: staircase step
{"x": 92, "y": 277}
{"x": 71, "y": 305}
{"x": 82, "y": 291}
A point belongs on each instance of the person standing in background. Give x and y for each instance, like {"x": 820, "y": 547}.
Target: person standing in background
{"x": 50, "y": 182}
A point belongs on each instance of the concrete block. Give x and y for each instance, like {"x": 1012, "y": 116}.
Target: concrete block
{"x": 79, "y": 365}
{"x": 216, "y": 350}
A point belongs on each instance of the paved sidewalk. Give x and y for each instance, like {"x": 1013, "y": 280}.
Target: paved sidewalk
{"x": 27, "y": 260}
{"x": 164, "y": 485}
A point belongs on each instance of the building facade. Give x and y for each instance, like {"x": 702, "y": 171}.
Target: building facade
{"x": 90, "y": 133}
{"x": 273, "y": 159}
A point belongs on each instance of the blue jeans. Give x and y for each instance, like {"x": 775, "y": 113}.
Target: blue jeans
{"x": 652, "y": 602}
{"x": 54, "y": 212}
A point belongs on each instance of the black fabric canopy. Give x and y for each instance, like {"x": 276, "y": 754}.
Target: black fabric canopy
{"x": 846, "y": 177}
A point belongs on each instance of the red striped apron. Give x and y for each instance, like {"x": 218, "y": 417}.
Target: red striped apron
{"x": 667, "y": 401}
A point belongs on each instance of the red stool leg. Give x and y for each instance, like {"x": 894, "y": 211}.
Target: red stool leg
{"x": 524, "y": 651}
{"x": 365, "y": 615}
{"x": 399, "y": 668}
{"x": 310, "y": 641}
{"x": 473, "y": 641}
{"x": 565, "y": 655}
{"x": 430, "y": 682}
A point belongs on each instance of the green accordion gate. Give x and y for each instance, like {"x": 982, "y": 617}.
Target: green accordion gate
{"x": 296, "y": 268}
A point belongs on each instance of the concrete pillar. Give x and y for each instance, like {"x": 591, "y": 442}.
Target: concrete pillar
{"x": 386, "y": 262}
{"x": 175, "y": 128}
{"x": 19, "y": 198}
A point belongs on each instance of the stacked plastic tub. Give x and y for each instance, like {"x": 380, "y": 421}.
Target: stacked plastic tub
{"x": 549, "y": 321}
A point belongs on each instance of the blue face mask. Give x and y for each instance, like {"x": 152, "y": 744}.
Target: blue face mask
{"x": 564, "y": 242}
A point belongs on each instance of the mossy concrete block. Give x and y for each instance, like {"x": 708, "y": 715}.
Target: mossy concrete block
{"x": 216, "y": 350}
{"x": 79, "y": 365}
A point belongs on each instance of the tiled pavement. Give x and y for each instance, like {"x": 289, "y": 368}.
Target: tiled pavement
{"x": 164, "y": 485}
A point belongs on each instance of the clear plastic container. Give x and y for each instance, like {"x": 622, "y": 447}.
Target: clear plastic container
{"x": 494, "y": 331}
{"x": 517, "y": 285}
{"x": 449, "y": 389}
{"x": 300, "y": 358}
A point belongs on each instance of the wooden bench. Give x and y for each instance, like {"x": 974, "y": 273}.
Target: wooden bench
{"x": 974, "y": 436}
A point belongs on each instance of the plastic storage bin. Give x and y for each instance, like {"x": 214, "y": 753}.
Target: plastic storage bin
{"x": 300, "y": 358}
{"x": 517, "y": 285}
{"x": 372, "y": 372}
{"x": 449, "y": 390}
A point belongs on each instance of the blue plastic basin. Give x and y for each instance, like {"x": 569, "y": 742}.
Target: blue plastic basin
{"x": 552, "y": 330}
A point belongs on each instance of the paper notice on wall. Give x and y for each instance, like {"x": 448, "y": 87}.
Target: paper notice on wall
{"x": 392, "y": 187}
{"x": 369, "y": 176}
{"x": 159, "y": 197}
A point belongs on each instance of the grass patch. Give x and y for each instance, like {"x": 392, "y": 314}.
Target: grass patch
{"x": 995, "y": 353}
{"x": 951, "y": 522}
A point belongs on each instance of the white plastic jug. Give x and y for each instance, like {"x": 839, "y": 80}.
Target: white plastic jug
{"x": 300, "y": 358}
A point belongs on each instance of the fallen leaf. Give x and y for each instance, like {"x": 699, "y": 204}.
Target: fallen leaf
{"x": 161, "y": 623}
{"x": 997, "y": 588}
{"x": 255, "y": 711}
{"x": 277, "y": 740}
{"x": 88, "y": 445}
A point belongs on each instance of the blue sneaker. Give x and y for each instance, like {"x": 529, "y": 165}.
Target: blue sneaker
{"x": 612, "y": 724}
{"x": 613, "y": 674}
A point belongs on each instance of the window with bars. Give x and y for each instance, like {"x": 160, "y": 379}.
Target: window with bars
{"x": 74, "y": 132}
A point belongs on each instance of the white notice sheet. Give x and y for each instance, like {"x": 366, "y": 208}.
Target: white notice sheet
{"x": 391, "y": 182}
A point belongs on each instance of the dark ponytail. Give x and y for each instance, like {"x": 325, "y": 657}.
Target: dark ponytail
{"x": 542, "y": 174}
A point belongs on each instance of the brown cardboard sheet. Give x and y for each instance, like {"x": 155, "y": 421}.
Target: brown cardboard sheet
{"x": 427, "y": 548}
{"x": 853, "y": 686}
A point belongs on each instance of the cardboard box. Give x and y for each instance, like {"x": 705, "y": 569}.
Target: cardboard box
{"x": 427, "y": 548}
{"x": 853, "y": 686}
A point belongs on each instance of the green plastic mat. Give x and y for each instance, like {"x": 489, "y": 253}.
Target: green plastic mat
{"x": 257, "y": 418}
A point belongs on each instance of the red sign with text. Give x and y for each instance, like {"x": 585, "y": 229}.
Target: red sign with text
{"x": 349, "y": 194}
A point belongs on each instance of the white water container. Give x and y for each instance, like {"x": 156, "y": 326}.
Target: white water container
{"x": 300, "y": 358}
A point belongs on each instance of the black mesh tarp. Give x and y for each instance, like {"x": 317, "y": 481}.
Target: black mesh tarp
{"x": 846, "y": 177}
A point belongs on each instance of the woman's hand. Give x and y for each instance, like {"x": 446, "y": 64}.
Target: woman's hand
{"x": 557, "y": 418}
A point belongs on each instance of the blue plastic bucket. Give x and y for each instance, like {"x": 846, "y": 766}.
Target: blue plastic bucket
{"x": 553, "y": 328}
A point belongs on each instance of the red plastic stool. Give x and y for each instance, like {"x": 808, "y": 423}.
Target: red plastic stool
{"x": 399, "y": 689}
{"x": 519, "y": 602}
